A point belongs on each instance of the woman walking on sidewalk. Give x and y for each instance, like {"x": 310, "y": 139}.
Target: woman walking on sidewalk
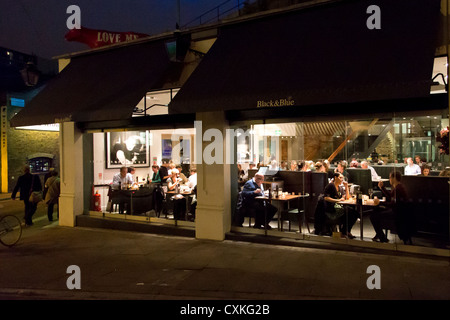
{"x": 52, "y": 196}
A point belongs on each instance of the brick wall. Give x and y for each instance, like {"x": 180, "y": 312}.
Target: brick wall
{"x": 23, "y": 143}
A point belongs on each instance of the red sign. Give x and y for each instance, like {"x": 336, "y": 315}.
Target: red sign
{"x": 99, "y": 38}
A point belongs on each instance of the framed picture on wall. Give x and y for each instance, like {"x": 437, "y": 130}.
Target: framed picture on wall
{"x": 127, "y": 148}
{"x": 166, "y": 146}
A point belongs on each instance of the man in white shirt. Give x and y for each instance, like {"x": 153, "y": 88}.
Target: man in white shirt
{"x": 365, "y": 165}
{"x": 122, "y": 178}
{"x": 131, "y": 171}
{"x": 192, "y": 178}
{"x": 412, "y": 169}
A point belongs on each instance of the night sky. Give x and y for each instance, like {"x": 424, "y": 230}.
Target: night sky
{"x": 38, "y": 26}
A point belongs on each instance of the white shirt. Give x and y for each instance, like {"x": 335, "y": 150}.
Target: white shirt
{"x": 130, "y": 177}
{"x": 412, "y": 170}
{"x": 375, "y": 176}
{"x": 192, "y": 180}
{"x": 118, "y": 178}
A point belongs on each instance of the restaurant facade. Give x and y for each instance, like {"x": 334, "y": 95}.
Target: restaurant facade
{"x": 323, "y": 81}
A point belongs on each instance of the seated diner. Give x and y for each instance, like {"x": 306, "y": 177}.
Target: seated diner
{"x": 262, "y": 210}
{"x": 122, "y": 179}
{"x": 336, "y": 191}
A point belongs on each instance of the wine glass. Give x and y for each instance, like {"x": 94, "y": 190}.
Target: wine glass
{"x": 370, "y": 193}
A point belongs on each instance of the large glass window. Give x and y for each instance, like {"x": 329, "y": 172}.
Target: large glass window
{"x": 158, "y": 182}
{"x": 299, "y": 160}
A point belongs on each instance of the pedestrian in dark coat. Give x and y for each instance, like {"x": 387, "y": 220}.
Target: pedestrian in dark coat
{"x": 26, "y": 184}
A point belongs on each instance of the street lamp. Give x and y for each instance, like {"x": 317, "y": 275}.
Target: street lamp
{"x": 30, "y": 74}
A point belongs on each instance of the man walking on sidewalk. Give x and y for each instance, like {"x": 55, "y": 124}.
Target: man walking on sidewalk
{"x": 25, "y": 185}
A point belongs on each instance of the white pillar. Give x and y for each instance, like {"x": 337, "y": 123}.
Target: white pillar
{"x": 213, "y": 214}
{"x": 71, "y": 166}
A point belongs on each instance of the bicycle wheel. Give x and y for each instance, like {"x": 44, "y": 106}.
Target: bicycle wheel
{"x": 10, "y": 230}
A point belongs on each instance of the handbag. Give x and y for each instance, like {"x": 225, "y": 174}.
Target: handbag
{"x": 35, "y": 196}
{"x": 339, "y": 211}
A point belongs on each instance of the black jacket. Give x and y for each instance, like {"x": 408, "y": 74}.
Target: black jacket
{"x": 163, "y": 172}
{"x": 23, "y": 186}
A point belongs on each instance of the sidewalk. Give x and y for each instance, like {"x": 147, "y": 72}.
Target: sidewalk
{"x": 5, "y": 196}
{"x": 129, "y": 265}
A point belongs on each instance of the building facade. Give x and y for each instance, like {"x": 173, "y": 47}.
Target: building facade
{"x": 319, "y": 81}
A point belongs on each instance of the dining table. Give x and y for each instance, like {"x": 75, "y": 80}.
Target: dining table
{"x": 186, "y": 193}
{"x": 366, "y": 203}
{"x": 132, "y": 201}
{"x": 281, "y": 200}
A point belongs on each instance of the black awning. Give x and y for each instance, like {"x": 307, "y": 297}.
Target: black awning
{"x": 98, "y": 86}
{"x": 431, "y": 105}
{"x": 156, "y": 122}
{"x": 320, "y": 55}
